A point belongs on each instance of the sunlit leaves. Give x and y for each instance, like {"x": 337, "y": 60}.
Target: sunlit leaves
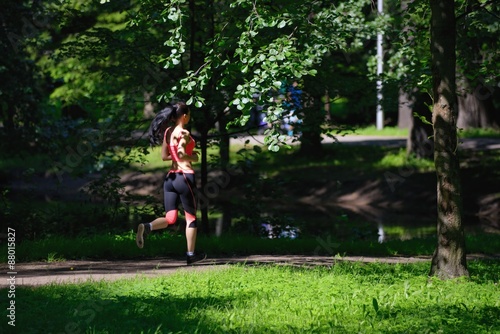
{"x": 260, "y": 49}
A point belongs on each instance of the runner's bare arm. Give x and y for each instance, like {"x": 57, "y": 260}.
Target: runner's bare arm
{"x": 181, "y": 149}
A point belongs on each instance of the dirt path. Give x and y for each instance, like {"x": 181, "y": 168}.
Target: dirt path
{"x": 43, "y": 273}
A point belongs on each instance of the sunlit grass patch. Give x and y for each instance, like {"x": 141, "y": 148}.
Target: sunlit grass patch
{"x": 479, "y": 133}
{"x": 372, "y": 130}
{"x": 346, "y": 297}
{"x": 400, "y": 159}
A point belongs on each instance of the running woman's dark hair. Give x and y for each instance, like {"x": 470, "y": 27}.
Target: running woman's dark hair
{"x": 160, "y": 122}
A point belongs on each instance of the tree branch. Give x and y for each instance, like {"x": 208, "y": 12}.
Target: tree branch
{"x": 476, "y": 7}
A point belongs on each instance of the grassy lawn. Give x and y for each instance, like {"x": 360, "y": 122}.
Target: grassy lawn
{"x": 344, "y": 298}
{"x": 385, "y": 131}
{"x": 397, "y": 132}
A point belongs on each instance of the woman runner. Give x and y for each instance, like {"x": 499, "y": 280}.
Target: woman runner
{"x": 179, "y": 185}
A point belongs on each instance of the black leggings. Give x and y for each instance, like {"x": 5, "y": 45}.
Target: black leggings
{"x": 180, "y": 188}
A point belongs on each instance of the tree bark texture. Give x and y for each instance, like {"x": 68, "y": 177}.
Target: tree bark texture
{"x": 449, "y": 259}
{"x": 314, "y": 116}
{"x": 476, "y": 110}
{"x": 420, "y": 141}
{"x": 201, "y": 26}
{"x": 404, "y": 110}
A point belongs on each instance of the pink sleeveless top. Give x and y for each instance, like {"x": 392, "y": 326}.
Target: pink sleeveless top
{"x": 172, "y": 149}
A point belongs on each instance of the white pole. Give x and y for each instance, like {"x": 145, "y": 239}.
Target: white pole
{"x": 380, "y": 60}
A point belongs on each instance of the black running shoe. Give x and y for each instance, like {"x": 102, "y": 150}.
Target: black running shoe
{"x": 141, "y": 233}
{"x": 196, "y": 257}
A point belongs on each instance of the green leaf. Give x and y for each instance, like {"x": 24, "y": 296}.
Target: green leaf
{"x": 274, "y": 148}
{"x": 375, "y": 304}
{"x": 422, "y": 118}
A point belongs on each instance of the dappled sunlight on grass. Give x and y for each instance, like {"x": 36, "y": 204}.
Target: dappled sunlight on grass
{"x": 479, "y": 133}
{"x": 400, "y": 159}
{"x": 385, "y": 131}
{"x": 347, "y": 297}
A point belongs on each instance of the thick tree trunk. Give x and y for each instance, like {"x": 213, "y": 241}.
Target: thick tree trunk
{"x": 449, "y": 259}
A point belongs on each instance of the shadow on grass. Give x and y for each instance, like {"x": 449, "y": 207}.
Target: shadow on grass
{"x": 83, "y": 309}
{"x": 139, "y": 306}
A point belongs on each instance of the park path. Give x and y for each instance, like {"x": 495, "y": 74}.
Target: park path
{"x": 79, "y": 271}
{"x": 387, "y": 141}
{"x": 41, "y": 273}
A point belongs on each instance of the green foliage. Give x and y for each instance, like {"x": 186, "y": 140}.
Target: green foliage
{"x": 346, "y": 297}
{"x": 264, "y": 46}
{"x": 408, "y": 57}
{"x": 20, "y": 89}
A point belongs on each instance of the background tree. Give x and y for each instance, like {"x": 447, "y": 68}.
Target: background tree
{"x": 20, "y": 89}
{"x": 477, "y": 65}
{"x": 449, "y": 259}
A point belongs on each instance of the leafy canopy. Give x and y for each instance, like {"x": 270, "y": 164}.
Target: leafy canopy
{"x": 250, "y": 47}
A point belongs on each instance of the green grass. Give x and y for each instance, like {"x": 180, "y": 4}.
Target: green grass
{"x": 343, "y": 298}
{"x": 385, "y": 131}
{"x": 361, "y": 159}
{"x": 479, "y": 133}
{"x": 397, "y": 132}
{"x": 161, "y": 244}
{"x": 400, "y": 159}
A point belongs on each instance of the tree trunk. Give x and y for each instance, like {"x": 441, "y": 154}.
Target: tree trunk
{"x": 313, "y": 118}
{"x": 449, "y": 259}
{"x": 476, "y": 110}
{"x": 225, "y": 141}
{"x": 201, "y": 25}
{"x": 405, "y": 102}
{"x": 420, "y": 141}
{"x": 203, "y": 200}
